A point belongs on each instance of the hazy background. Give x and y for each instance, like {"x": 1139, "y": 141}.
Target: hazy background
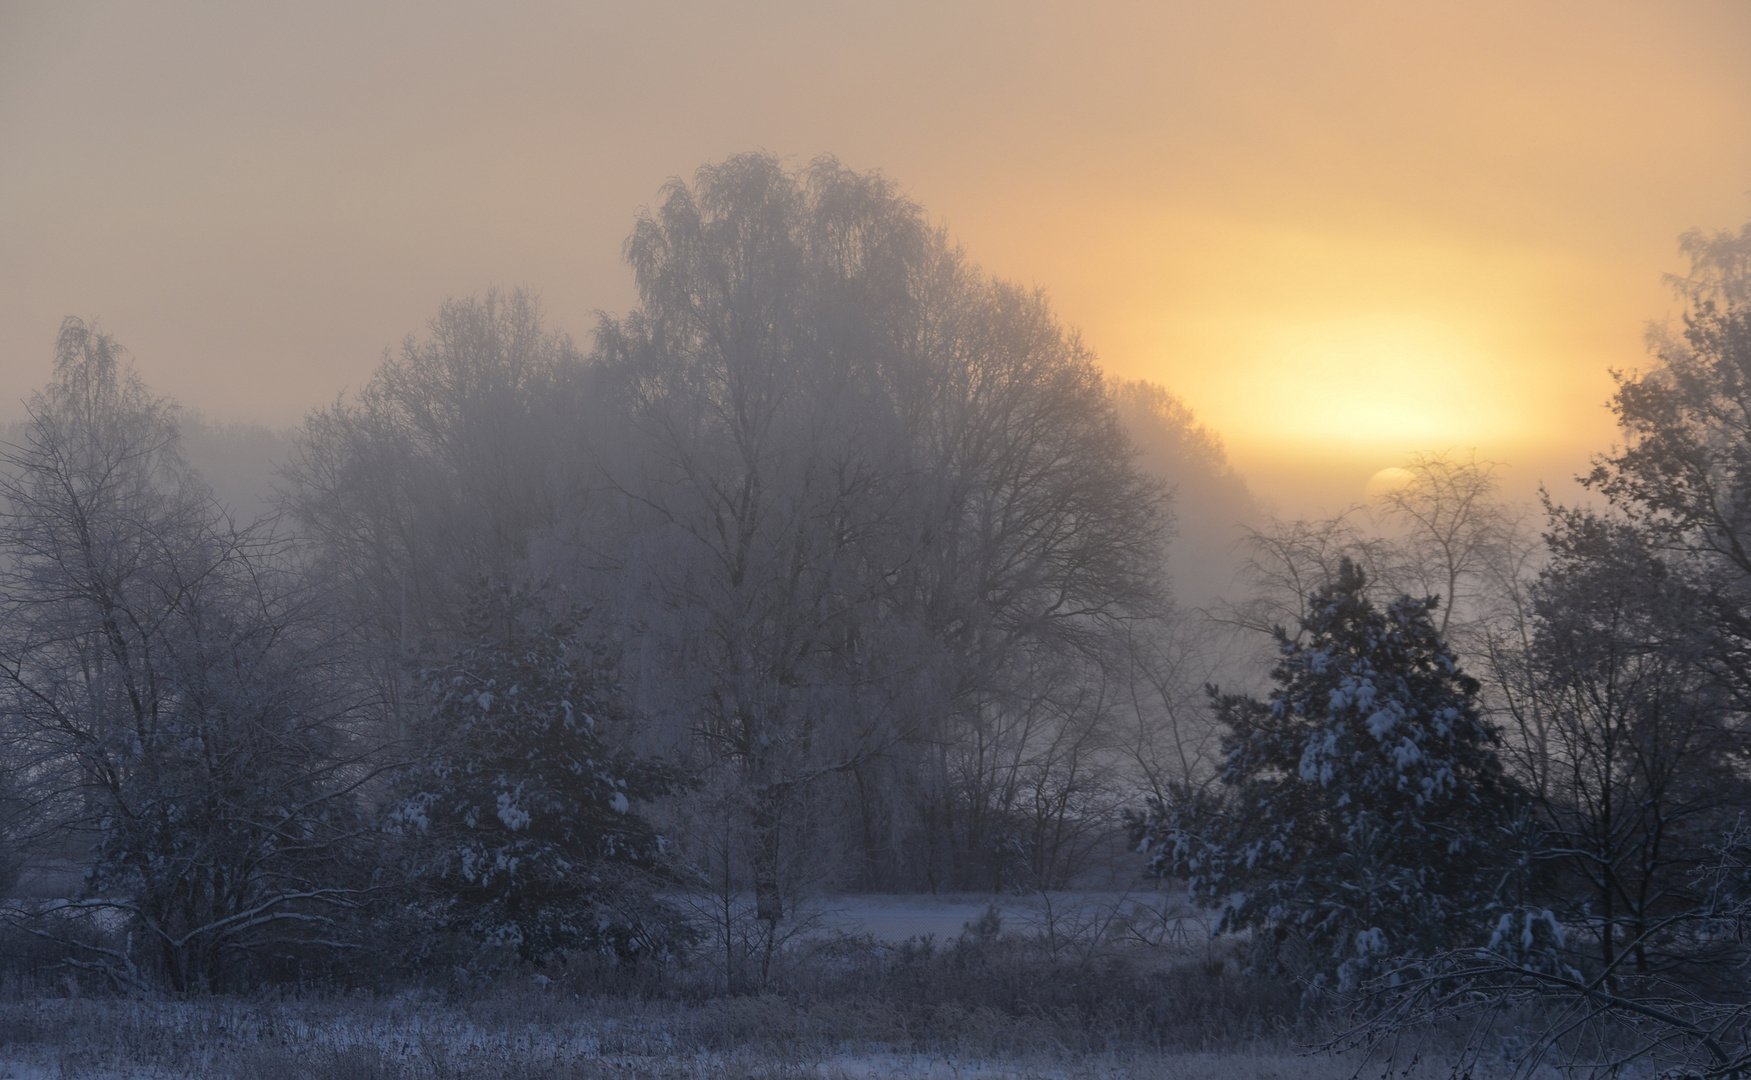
{"x": 1342, "y": 232}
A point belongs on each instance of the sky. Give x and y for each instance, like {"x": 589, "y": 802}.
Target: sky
{"x": 1342, "y": 232}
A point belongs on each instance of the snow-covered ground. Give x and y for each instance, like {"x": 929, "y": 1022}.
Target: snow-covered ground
{"x": 898, "y": 918}
{"x": 1239, "y": 1066}
{"x": 536, "y": 1037}
{"x": 1148, "y": 916}
{"x": 540, "y": 1033}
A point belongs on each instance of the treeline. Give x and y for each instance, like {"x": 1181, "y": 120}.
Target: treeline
{"x": 839, "y": 565}
{"x": 832, "y": 565}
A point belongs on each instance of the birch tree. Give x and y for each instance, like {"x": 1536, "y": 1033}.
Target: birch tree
{"x": 179, "y": 710}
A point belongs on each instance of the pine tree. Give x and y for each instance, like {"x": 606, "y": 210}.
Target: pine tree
{"x": 520, "y": 817}
{"x": 1358, "y": 807}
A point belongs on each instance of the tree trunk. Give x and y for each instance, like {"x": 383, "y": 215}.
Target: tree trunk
{"x": 765, "y": 856}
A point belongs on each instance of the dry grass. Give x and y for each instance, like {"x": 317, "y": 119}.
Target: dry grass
{"x": 538, "y": 1037}
{"x": 1071, "y": 1003}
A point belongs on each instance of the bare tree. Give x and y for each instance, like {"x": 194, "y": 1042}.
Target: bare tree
{"x": 1456, "y": 533}
{"x": 1289, "y": 561}
{"x": 1628, "y": 749}
{"x": 1442, "y": 533}
{"x": 178, "y": 713}
{"x": 867, "y": 482}
{"x": 439, "y": 470}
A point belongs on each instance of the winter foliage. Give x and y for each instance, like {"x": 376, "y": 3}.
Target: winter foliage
{"x": 1359, "y": 807}
{"x": 838, "y": 564}
{"x": 179, "y": 708}
{"x": 520, "y": 816}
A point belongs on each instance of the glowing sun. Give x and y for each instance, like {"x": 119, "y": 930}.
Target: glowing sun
{"x": 1380, "y": 382}
{"x": 1387, "y": 481}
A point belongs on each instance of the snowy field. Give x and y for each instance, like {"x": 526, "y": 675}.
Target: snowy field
{"x": 510, "y": 1039}
{"x": 535, "y": 1030}
{"x": 899, "y": 918}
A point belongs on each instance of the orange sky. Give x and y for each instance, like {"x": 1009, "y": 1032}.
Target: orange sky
{"x": 1343, "y": 232}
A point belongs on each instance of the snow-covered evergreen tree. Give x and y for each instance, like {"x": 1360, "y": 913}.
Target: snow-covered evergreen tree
{"x": 520, "y": 817}
{"x": 1359, "y": 808}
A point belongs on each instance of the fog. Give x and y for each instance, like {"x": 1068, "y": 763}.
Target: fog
{"x": 1253, "y": 204}
{"x": 972, "y": 539}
